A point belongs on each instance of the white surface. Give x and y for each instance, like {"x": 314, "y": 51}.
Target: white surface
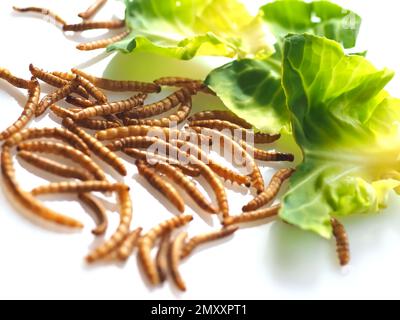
{"x": 265, "y": 262}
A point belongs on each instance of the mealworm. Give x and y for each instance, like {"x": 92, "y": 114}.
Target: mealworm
{"x": 129, "y": 244}
{"x": 66, "y": 152}
{"x": 120, "y": 86}
{"x": 26, "y": 199}
{"x": 271, "y": 192}
{"x": 92, "y": 10}
{"x": 175, "y": 259}
{"x": 270, "y": 156}
{"x": 147, "y": 241}
{"x": 27, "y": 114}
{"x": 92, "y": 90}
{"x": 110, "y": 108}
{"x": 164, "y": 187}
{"x": 90, "y": 25}
{"x": 97, "y": 147}
{"x": 43, "y": 11}
{"x": 252, "y": 216}
{"x": 162, "y": 257}
{"x": 342, "y": 242}
{"x": 184, "y": 82}
{"x": 101, "y": 44}
{"x": 122, "y": 231}
{"x": 94, "y": 124}
{"x": 55, "y": 167}
{"x": 78, "y": 187}
{"x": 63, "y": 112}
{"x": 193, "y": 243}
{"x": 52, "y": 133}
{"x": 170, "y": 102}
{"x": 79, "y": 102}
{"x": 13, "y": 80}
{"x": 99, "y": 211}
{"x": 221, "y": 115}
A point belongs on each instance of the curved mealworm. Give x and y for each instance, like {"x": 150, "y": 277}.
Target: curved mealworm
{"x": 221, "y": 115}
{"x": 44, "y": 12}
{"x": 66, "y": 152}
{"x": 164, "y": 187}
{"x": 269, "y": 156}
{"x": 122, "y": 231}
{"x": 97, "y": 147}
{"x": 162, "y": 257}
{"x": 120, "y": 86}
{"x": 129, "y": 244}
{"x": 110, "y": 108}
{"x": 175, "y": 259}
{"x": 92, "y": 90}
{"x": 63, "y": 112}
{"x": 78, "y": 187}
{"x": 196, "y": 241}
{"x": 252, "y": 216}
{"x": 271, "y": 192}
{"x": 79, "y": 102}
{"x": 90, "y": 25}
{"x": 13, "y": 80}
{"x": 26, "y": 199}
{"x": 101, "y": 44}
{"x": 92, "y": 10}
{"x": 27, "y": 114}
{"x": 99, "y": 211}
{"x": 342, "y": 242}
{"x": 147, "y": 241}
{"x": 94, "y": 124}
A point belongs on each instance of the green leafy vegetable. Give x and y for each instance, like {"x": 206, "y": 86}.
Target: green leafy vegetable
{"x": 348, "y": 128}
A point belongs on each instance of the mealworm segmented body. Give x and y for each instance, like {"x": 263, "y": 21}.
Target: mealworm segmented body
{"x": 101, "y": 44}
{"x": 252, "y": 216}
{"x": 79, "y": 102}
{"x": 196, "y": 241}
{"x": 164, "y": 187}
{"x": 120, "y": 86}
{"x": 94, "y": 124}
{"x": 221, "y": 115}
{"x": 122, "y": 231}
{"x": 13, "y": 80}
{"x": 175, "y": 259}
{"x": 78, "y": 187}
{"x": 271, "y": 192}
{"x": 342, "y": 242}
{"x": 27, "y": 114}
{"x": 184, "y": 82}
{"x": 269, "y": 156}
{"x": 91, "y": 25}
{"x": 147, "y": 241}
{"x": 62, "y": 112}
{"x": 92, "y": 10}
{"x": 162, "y": 257}
{"x": 99, "y": 211}
{"x": 129, "y": 244}
{"x": 43, "y": 11}
{"x": 97, "y": 147}
{"x": 92, "y": 90}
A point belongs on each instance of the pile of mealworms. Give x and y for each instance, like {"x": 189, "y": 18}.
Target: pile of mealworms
{"x": 126, "y": 126}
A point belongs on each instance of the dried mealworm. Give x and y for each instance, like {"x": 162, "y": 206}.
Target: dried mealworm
{"x": 175, "y": 259}
{"x": 129, "y": 244}
{"x": 92, "y": 90}
{"x": 43, "y": 11}
{"x": 97, "y": 147}
{"x": 90, "y": 25}
{"x": 147, "y": 241}
{"x": 79, "y": 102}
{"x": 270, "y": 156}
{"x": 99, "y": 211}
{"x": 342, "y": 242}
{"x": 162, "y": 257}
{"x": 221, "y": 115}
{"x": 63, "y": 112}
{"x": 184, "y": 82}
{"x": 101, "y": 44}
{"x": 252, "y": 216}
{"x": 120, "y": 86}
{"x": 15, "y": 81}
{"x": 94, "y": 124}
{"x": 78, "y": 187}
{"x": 122, "y": 231}
{"x": 196, "y": 241}
{"x": 66, "y": 152}
{"x": 110, "y": 108}
{"x": 160, "y": 184}
{"x": 26, "y": 199}
{"x": 271, "y": 192}
{"x": 27, "y": 114}
{"x": 92, "y": 10}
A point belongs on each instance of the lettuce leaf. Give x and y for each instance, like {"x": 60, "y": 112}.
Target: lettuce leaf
{"x": 348, "y": 128}
{"x": 186, "y": 28}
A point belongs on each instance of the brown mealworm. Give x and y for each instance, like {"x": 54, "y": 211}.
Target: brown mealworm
{"x": 161, "y": 185}
{"x": 271, "y": 192}
{"x": 97, "y": 147}
{"x": 90, "y": 25}
{"x": 196, "y": 241}
{"x": 92, "y": 10}
{"x": 252, "y": 216}
{"x": 101, "y": 44}
{"x": 66, "y": 152}
{"x": 26, "y": 199}
{"x": 44, "y": 12}
{"x": 147, "y": 241}
{"x": 77, "y": 187}
{"x": 13, "y": 80}
{"x": 342, "y": 242}
{"x": 122, "y": 231}
{"x": 120, "y": 86}
{"x": 221, "y": 115}
{"x": 79, "y": 102}
{"x": 175, "y": 259}
{"x": 269, "y": 156}
{"x": 63, "y": 112}
{"x": 99, "y": 211}
{"x": 162, "y": 257}
{"x": 94, "y": 124}
{"x": 27, "y": 114}
{"x": 184, "y": 82}
{"x": 92, "y": 90}
{"x": 128, "y": 245}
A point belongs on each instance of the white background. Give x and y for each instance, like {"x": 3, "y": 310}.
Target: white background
{"x": 264, "y": 262}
